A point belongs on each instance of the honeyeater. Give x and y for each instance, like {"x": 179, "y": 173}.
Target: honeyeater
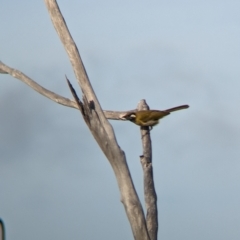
{"x": 150, "y": 118}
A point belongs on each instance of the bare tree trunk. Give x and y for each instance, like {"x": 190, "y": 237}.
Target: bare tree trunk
{"x": 148, "y": 182}
{"x": 96, "y": 119}
{"x": 101, "y": 128}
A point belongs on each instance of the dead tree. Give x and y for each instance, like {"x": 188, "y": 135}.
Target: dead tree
{"x": 143, "y": 227}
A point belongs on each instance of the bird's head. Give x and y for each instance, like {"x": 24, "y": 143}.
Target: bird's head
{"x": 129, "y": 116}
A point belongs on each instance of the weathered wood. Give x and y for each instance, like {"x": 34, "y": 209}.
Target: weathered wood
{"x": 101, "y": 128}
{"x": 109, "y": 114}
{"x": 150, "y": 195}
{"x": 96, "y": 119}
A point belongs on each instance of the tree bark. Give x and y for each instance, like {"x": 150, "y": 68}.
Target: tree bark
{"x": 109, "y": 114}
{"x": 102, "y": 131}
{"x": 101, "y": 128}
{"x": 148, "y": 181}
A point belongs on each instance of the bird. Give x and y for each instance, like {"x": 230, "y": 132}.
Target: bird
{"x": 150, "y": 118}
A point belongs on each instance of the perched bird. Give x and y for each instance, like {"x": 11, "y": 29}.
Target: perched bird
{"x": 150, "y": 118}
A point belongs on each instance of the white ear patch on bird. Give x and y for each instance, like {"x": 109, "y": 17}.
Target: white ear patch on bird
{"x": 127, "y": 116}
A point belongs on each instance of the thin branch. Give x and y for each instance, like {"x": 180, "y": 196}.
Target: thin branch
{"x": 113, "y": 115}
{"x": 77, "y": 100}
{"x": 149, "y": 188}
{"x": 3, "y": 72}
{"x": 31, "y": 83}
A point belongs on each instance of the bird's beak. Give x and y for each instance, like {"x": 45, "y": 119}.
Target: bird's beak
{"x": 123, "y": 117}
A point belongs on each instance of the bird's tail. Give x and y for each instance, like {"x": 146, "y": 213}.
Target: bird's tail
{"x": 176, "y": 108}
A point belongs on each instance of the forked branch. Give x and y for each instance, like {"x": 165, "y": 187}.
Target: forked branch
{"x": 101, "y": 128}
{"x": 96, "y": 120}
{"x": 4, "y": 69}
{"x": 31, "y": 83}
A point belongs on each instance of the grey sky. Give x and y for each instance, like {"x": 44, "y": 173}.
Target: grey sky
{"x": 55, "y": 182}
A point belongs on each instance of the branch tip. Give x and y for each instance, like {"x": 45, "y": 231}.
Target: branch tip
{"x": 79, "y": 103}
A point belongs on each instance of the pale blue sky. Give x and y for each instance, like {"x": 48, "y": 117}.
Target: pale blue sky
{"x": 55, "y": 182}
